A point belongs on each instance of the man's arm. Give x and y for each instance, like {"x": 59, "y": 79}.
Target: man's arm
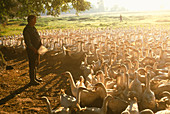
{"x": 28, "y": 42}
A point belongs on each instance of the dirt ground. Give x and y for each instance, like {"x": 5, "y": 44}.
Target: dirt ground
{"x": 17, "y": 96}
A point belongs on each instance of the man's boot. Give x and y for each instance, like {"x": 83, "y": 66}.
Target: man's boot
{"x": 33, "y": 81}
{"x": 37, "y": 79}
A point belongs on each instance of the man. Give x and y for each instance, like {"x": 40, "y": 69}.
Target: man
{"x": 33, "y": 43}
{"x": 121, "y": 19}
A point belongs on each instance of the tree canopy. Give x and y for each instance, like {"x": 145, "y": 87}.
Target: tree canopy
{"x": 23, "y": 8}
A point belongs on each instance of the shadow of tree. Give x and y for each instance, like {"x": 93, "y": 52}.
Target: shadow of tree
{"x": 47, "y": 66}
{"x": 14, "y": 93}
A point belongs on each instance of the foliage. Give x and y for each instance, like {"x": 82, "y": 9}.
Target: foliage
{"x": 23, "y": 8}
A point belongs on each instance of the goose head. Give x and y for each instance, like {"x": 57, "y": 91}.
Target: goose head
{"x": 166, "y": 94}
{"x": 148, "y": 67}
{"x": 45, "y": 99}
{"x": 81, "y": 79}
{"x": 67, "y": 74}
{"x": 142, "y": 71}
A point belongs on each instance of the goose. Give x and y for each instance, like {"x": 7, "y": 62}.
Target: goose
{"x": 60, "y": 54}
{"x": 94, "y": 110}
{"x": 136, "y": 86}
{"x": 148, "y": 97}
{"x": 117, "y": 105}
{"x": 126, "y": 90}
{"x": 162, "y": 58}
{"x": 158, "y": 71}
{"x": 72, "y": 83}
{"x": 161, "y": 88}
{"x": 97, "y": 65}
{"x": 131, "y": 70}
{"x": 163, "y": 112}
{"x": 80, "y": 54}
{"x": 143, "y": 72}
{"x": 168, "y": 65}
{"x": 87, "y": 70}
{"x": 106, "y": 70}
{"x": 148, "y": 61}
{"x": 119, "y": 80}
{"x": 80, "y": 83}
{"x": 90, "y": 77}
{"x": 136, "y": 64}
{"x": 166, "y": 94}
{"x": 67, "y": 101}
{"x": 92, "y": 57}
{"x": 162, "y": 103}
{"x": 88, "y": 97}
{"x": 109, "y": 83}
{"x": 132, "y": 108}
{"x": 60, "y": 110}
{"x": 112, "y": 71}
{"x": 124, "y": 69}
{"x": 88, "y": 85}
{"x": 100, "y": 74}
{"x": 113, "y": 61}
{"x": 146, "y": 111}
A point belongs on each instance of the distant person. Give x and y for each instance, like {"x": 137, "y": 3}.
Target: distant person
{"x": 33, "y": 43}
{"x": 121, "y": 18}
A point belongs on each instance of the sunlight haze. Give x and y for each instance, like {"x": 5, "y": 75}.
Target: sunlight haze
{"x": 136, "y": 5}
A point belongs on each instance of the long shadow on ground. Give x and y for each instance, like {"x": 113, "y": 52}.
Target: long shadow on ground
{"x": 13, "y": 94}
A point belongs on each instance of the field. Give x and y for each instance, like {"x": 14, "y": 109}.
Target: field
{"x": 101, "y": 20}
{"x": 17, "y": 96}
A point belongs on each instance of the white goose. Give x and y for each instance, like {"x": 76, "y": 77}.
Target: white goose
{"x": 148, "y": 97}
{"x": 163, "y": 112}
{"x": 80, "y": 82}
{"x": 146, "y": 111}
{"x": 93, "y": 110}
{"x": 132, "y": 108}
{"x": 60, "y": 110}
{"x": 136, "y": 87}
{"x": 67, "y": 101}
{"x": 89, "y": 97}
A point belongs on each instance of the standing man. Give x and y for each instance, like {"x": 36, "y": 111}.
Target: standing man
{"x": 33, "y": 43}
{"x": 121, "y": 19}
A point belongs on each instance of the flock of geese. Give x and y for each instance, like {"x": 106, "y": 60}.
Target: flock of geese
{"x": 125, "y": 70}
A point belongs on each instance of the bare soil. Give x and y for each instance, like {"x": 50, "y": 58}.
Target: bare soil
{"x": 16, "y": 94}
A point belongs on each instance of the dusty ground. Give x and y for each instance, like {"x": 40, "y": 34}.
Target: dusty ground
{"x": 17, "y": 96}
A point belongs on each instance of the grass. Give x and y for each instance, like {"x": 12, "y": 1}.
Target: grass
{"x": 16, "y": 26}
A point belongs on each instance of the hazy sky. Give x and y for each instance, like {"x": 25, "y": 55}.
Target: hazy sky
{"x": 137, "y": 5}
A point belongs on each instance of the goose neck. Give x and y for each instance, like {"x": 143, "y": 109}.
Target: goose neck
{"x": 49, "y": 107}
{"x": 127, "y": 86}
{"x": 169, "y": 71}
{"x": 155, "y": 66}
{"x": 148, "y": 83}
{"x": 101, "y": 90}
{"x": 72, "y": 83}
{"x": 104, "y": 106}
{"x": 130, "y": 65}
